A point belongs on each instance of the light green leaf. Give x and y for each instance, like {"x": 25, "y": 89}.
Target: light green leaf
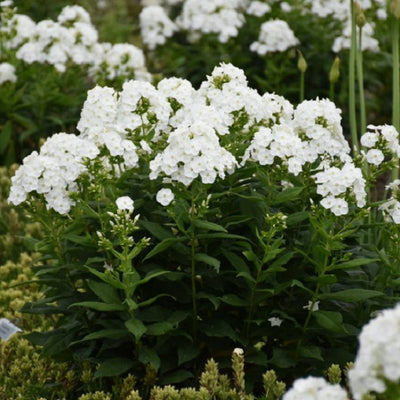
{"x": 136, "y": 327}
{"x": 164, "y": 245}
{"x": 210, "y": 226}
{"x": 104, "y": 292}
{"x": 206, "y": 259}
{"x": 330, "y": 320}
{"x": 356, "y": 262}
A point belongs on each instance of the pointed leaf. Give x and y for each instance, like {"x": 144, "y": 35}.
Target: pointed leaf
{"x": 114, "y": 367}
{"x": 96, "y": 305}
{"x": 209, "y": 226}
{"x": 206, "y": 259}
{"x": 104, "y": 292}
{"x": 136, "y": 327}
{"x": 149, "y": 356}
{"x": 351, "y": 295}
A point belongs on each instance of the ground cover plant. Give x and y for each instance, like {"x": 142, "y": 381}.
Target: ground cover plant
{"x": 187, "y": 228}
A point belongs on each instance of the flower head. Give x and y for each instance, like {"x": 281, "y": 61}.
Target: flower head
{"x": 125, "y": 203}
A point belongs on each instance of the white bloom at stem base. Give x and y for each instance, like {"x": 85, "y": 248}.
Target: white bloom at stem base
{"x": 378, "y": 357}
{"x": 165, "y": 196}
{"x": 313, "y": 306}
{"x": 313, "y": 388}
{"x": 124, "y": 203}
{"x": 275, "y": 321}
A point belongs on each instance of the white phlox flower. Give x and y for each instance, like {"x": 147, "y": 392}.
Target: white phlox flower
{"x": 124, "y": 203}
{"x": 378, "y": 356}
{"x": 155, "y": 26}
{"x": 221, "y": 17}
{"x": 53, "y": 172}
{"x": 7, "y": 73}
{"x": 313, "y": 388}
{"x": 165, "y": 196}
{"x": 275, "y": 36}
{"x": 193, "y": 151}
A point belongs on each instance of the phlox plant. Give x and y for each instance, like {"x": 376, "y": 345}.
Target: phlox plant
{"x": 181, "y": 223}
{"x": 265, "y": 38}
{"x": 45, "y": 69}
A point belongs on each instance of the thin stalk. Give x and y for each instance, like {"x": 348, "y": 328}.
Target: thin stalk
{"x": 396, "y": 85}
{"x": 302, "y": 76}
{"x": 193, "y": 270}
{"x": 360, "y": 78}
{"x": 332, "y": 91}
{"x": 352, "y": 82}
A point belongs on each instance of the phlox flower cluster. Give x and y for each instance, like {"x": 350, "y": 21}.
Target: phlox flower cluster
{"x": 221, "y": 17}
{"x": 71, "y": 39}
{"x": 155, "y": 26}
{"x": 258, "y": 9}
{"x": 313, "y": 388}
{"x": 378, "y": 357}
{"x": 7, "y": 73}
{"x": 193, "y": 151}
{"x": 368, "y": 42}
{"x": 275, "y": 36}
{"x": 380, "y": 141}
{"x": 390, "y": 208}
{"x": 335, "y": 183}
{"x": 186, "y": 134}
{"x": 54, "y": 171}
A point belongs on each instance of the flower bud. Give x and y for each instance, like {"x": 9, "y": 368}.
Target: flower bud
{"x": 301, "y": 63}
{"x": 360, "y": 16}
{"x": 395, "y": 8}
{"x": 334, "y": 73}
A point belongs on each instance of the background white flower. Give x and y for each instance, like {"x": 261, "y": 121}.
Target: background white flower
{"x": 165, "y": 196}
{"x": 124, "y": 203}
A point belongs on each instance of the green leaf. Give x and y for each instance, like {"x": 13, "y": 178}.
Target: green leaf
{"x": 157, "y": 230}
{"x": 5, "y": 136}
{"x": 164, "y": 245}
{"x": 351, "y": 295}
{"x": 356, "y": 262}
{"x": 281, "y": 358}
{"x": 234, "y": 300}
{"x": 209, "y": 226}
{"x": 114, "y": 367}
{"x": 311, "y": 352}
{"x": 107, "y": 277}
{"x": 159, "y": 328}
{"x": 148, "y": 355}
{"x": 104, "y": 333}
{"x": 330, "y": 320}
{"x": 187, "y": 352}
{"x": 237, "y": 262}
{"x": 96, "y": 305}
{"x": 136, "y": 327}
{"x": 288, "y": 195}
{"x": 206, "y": 259}
{"x": 104, "y": 292}
{"x": 297, "y": 217}
{"x": 220, "y": 328}
{"x": 178, "y": 376}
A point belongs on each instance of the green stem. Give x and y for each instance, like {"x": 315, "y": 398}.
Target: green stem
{"x": 396, "y": 85}
{"x": 193, "y": 270}
{"x": 332, "y": 91}
{"x": 302, "y": 76}
{"x": 360, "y": 77}
{"x": 352, "y": 79}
